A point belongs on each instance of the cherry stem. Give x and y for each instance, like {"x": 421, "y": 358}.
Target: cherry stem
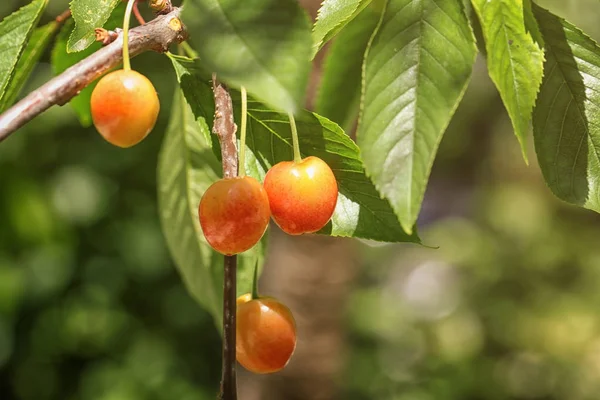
{"x": 242, "y": 159}
{"x": 126, "y": 62}
{"x": 138, "y": 15}
{"x": 255, "y": 282}
{"x": 295, "y": 144}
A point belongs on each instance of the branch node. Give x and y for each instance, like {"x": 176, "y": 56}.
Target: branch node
{"x": 161, "y": 6}
{"x": 104, "y": 36}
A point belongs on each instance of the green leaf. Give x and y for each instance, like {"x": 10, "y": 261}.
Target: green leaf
{"x": 186, "y": 168}
{"x": 332, "y": 17}
{"x": 416, "y": 71}
{"x": 339, "y": 94}
{"x": 566, "y": 118}
{"x": 15, "y": 30}
{"x": 88, "y": 15}
{"x": 62, "y": 59}
{"x": 515, "y": 61}
{"x": 360, "y": 211}
{"x": 40, "y": 39}
{"x": 263, "y": 45}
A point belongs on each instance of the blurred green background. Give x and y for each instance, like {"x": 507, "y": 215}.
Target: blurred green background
{"x": 91, "y": 306}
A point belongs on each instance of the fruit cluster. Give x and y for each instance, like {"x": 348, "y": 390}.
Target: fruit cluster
{"x": 234, "y": 214}
{"x": 300, "y": 196}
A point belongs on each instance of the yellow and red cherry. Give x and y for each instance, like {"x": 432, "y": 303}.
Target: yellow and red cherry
{"x": 124, "y": 107}
{"x": 265, "y": 334}
{"x": 234, "y": 214}
{"x": 302, "y": 194}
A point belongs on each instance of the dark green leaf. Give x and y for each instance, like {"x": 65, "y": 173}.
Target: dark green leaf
{"x": 360, "y": 211}
{"x": 187, "y": 167}
{"x": 88, "y": 15}
{"x": 515, "y": 61}
{"x": 566, "y": 118}
{"x": 416, "y": 71}
{"x": 15, "y": 30}
{"x": 40, "y": 39}
{"x": 332, "y": 18}
{"x": 61, "y": 60}
{"x": 263, "y": 45}
{"x": 339, "y": 93}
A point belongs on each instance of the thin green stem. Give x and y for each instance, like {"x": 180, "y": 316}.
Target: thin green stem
{"x": 255, "y": 283}
{"x": 126, "y": 62}
{"x": 295, "y": 144}
{"x": 242, "y": 159}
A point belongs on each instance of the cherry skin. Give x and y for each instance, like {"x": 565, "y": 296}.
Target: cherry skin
{"x": 234, "y": 214}
{"x": 265, "y": 334}
{"x": 302, "y": 194}
{"x": 124, "y": 107}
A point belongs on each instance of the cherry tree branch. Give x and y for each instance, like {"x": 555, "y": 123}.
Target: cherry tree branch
{"x": 156, "y": 35}
{"x": 225, "y": 128}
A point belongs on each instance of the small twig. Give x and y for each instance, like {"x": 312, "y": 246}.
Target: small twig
{"x": 225, "y": 129}
{"x": 63, "y": 17}
{"x": 136, "y": 12}
{"x": 156, "y": 35}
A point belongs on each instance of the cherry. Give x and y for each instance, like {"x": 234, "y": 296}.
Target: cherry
{"x": 234, "y": 214}
{"x": 265, "y": 334}
{"x": 124, "y": 107}
{"x": 302, "y": 194}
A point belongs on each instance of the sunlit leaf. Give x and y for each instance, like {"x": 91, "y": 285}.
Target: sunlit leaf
{"x": 416, "y": 71}
{"x": 515, "y": 61}
{"x": 332, "y": 17}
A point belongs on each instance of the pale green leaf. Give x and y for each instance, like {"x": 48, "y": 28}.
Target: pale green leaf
{"x": 186, "y": 168}
{"x": 15, "y": 30}
{"x": 263, "y": 45}
{"x": 566, "y": 118}
{"x": 339, "y": 93}
{"x": 416, "y": 71}
{"x": 39, "y": 41}
{"x": 360, "y": 212}
{"x": 332, "y": 17}
{"x": 88, "y": 15}
{"x": 515, "y": 61}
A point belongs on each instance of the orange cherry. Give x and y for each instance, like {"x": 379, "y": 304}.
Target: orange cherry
{"x": 234, "y": 214}
{"x": 302, "y": 195}
{"x": 265, "y": 334}
{"x": 124, "y": 107}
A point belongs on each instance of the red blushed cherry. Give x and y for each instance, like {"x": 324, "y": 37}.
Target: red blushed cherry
{"x": 234, "y": 214}
{"x": 265, "y": 334}
{"x": 302, "y": 195}
{"x": 124, "y": 107}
